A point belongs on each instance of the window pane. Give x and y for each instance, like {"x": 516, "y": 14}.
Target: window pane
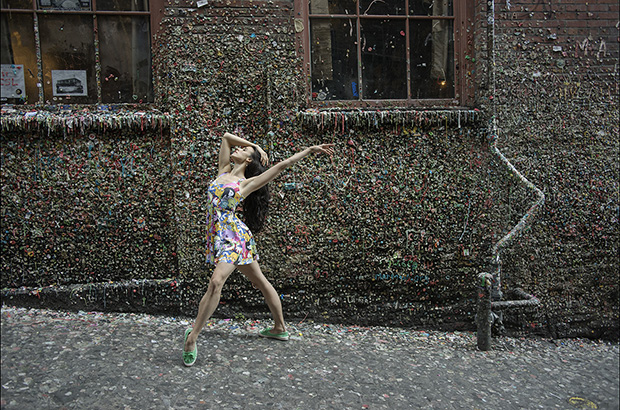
{"x": 18, "y": 48}
{"x": 125, "y": 51}
{"x": 332, "y": 6}
{"x": 432, "y": 59}
{"x": 16, "y": 4}
{"x": 123, "y": 5}
{"x": 378, "y": 7}
{"x": 334, "y": 59}
{"x": 384, "y": 67}
{"x": 430, "y": 7}
{"x": 68, "y": 55}
{"x": 63, "y": 4}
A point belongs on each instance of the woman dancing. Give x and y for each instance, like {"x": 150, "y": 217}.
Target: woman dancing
{"x": 230, "y": 244}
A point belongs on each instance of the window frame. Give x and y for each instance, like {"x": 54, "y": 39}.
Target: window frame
{"x": 155, "y": 13}
{"x": 463, "y": 27}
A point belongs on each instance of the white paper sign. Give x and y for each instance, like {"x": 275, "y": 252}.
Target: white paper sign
{"x": 69, "y": 82}
{"x": 13, "y": 84}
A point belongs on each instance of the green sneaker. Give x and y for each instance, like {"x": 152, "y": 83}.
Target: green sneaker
{"x": 189, "y": 358}
{"x": 279, "y": 336}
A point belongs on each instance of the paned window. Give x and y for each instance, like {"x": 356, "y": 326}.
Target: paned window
{"x": 404, "y": 51}
{"x": 78, "y": 51}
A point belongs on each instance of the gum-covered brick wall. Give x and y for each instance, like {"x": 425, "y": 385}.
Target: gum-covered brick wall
{"x": 85, "y": 204}
{"x": 391, "y": 231}
{"x": 557, "y": 114}
{"x": 395, "y": 229}
{"x": 348, "y": 253}
{"x": 229, "y": 66}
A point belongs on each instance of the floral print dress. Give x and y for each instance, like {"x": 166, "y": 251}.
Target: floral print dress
{"x": 228, "y": 238}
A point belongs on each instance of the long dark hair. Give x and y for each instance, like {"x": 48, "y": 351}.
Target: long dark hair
{"x": 256, "y": 205}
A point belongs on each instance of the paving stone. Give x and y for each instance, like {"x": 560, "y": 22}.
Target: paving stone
{"x": 92, "y": 360}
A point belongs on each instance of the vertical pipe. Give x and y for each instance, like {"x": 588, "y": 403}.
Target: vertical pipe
{"x": 491, "y": 56}
{"x": 483, "y": 317}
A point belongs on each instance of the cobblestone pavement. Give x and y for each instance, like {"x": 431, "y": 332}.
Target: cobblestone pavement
{"x": 90, "y": 360}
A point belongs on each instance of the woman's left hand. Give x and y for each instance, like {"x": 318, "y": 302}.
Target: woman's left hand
{"x": 324, "y": 148}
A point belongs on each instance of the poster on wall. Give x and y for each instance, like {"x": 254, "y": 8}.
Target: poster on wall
{"x": 13, "y": 84}
{"x": 69, "y": 83}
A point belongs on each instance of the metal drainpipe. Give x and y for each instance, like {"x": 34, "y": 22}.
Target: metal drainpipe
{"x": 484, "y": 315}
{"x": 525, "y": 300}
{"x": 490, "y": 283}
{"x": 484, "y": 319}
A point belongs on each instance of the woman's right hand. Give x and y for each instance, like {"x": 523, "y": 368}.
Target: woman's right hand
{"x": 264, "y": 158}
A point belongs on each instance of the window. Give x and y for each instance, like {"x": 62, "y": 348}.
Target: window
{"x": 385, "y": 51}
{"x": 78, "y": 51}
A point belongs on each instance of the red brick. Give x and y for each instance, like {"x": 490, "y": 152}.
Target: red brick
{"x": 554, "y": 24}
{"x": 567, "y": 15}
{"x": 607, "y": 15}
{"x": 578, "y": 23}
{"x": 580, "y": 7}
{"x": 595, "y": 8}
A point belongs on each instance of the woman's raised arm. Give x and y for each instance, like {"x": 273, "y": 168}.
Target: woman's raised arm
{"x": 252, "y": 184}
{"x": 230, "y": 140}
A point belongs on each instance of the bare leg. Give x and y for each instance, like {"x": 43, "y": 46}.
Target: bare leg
{"x": 209, "y": 301}
{"x": 253, "y": 272}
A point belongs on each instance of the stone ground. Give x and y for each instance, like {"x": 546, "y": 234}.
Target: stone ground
{"x": 90, "y": 360}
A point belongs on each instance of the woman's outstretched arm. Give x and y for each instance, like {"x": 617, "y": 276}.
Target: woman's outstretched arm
{"x": 230, "y": 140}
{"x": 252, "y": 184}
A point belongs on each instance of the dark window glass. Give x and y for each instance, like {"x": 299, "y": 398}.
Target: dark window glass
{"x": 382, "y": 7}
{"x": 334, "y": 59}
{"x": 126, "y": 70}
{"x": 123, "y": 5}
{"x": 432, "y": 61}
{"x": 399, "y": 50}
{"x": 16, "y": 4}
{"x": 18, "y": 51}
{"x": 384, "y": 65}
{"x": 430, "y": 7}
{"x": 68, "y": 54}
{"x": 333, "y": 6}
{"x": 68, "y": 33}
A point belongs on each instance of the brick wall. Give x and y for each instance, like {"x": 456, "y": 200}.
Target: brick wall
{"x": 557, "y": 114}
{"x": 396, "y": 229}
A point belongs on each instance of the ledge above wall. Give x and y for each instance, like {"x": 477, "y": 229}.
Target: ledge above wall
{"x": 79, "y": 120}
{"x": 339, "y": 119}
